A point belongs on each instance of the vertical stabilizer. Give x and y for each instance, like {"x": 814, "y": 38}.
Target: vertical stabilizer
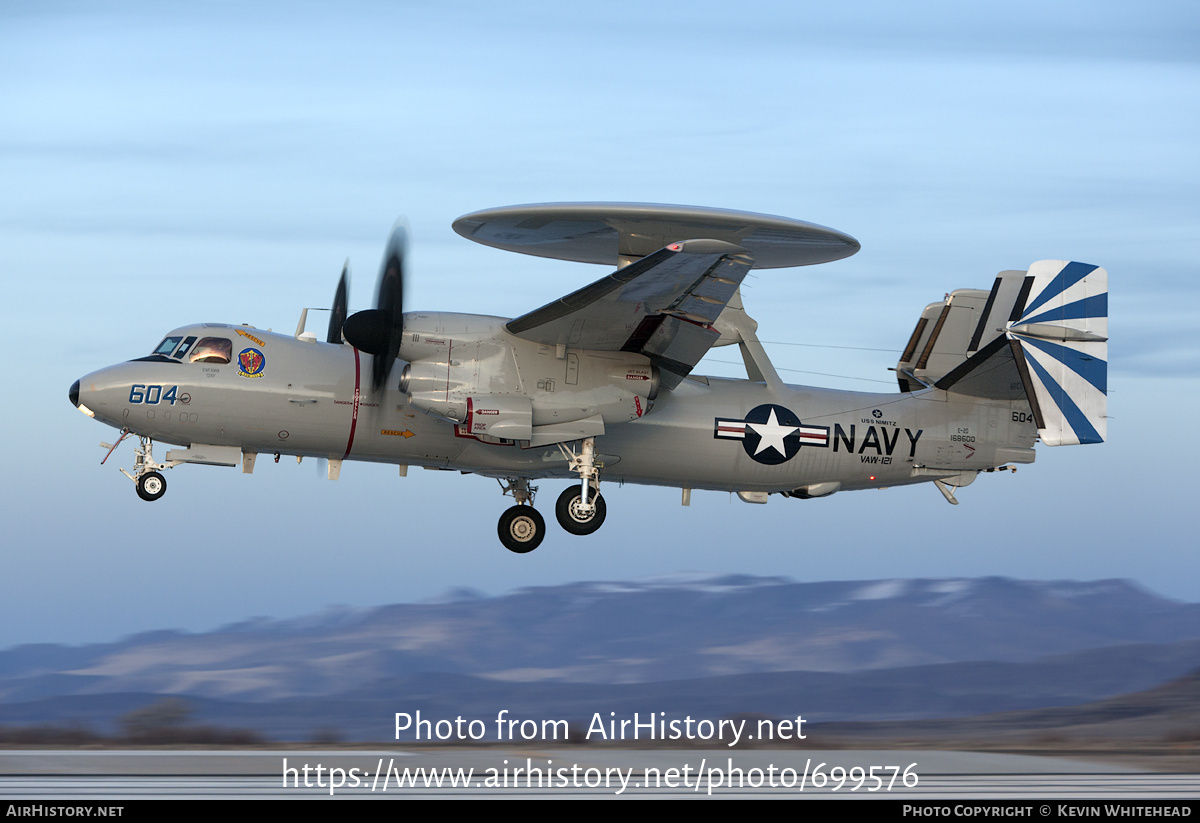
{"x": 1041, "y": 335}
{"x": 1060, "y": 338}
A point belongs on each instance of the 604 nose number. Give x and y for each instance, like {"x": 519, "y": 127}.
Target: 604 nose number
{"x": 152, "y": 395}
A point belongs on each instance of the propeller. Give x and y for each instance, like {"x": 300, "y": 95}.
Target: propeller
{"x": 378, "y": 331}
{"x": 337, "y": 314}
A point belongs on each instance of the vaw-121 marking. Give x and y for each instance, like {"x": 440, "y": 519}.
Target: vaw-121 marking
{"x": 599, "y": 383}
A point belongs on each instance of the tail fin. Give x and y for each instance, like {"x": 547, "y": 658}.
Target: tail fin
{"x": 1041, "y": 335}
{"x": 1062, "y": 336}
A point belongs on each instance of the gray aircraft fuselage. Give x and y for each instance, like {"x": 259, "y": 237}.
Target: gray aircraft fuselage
{"x": 303, "y": 397}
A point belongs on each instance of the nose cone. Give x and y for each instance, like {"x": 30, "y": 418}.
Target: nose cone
{"x": 74, "y": 394}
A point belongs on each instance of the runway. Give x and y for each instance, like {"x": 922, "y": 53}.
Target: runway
{"x": 572, "y": 772}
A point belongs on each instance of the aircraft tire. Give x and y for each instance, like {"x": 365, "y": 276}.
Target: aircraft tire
{"x": 566, "y": 510}
{"x": 151, "y": 486}
{"x": 521, "y": 529}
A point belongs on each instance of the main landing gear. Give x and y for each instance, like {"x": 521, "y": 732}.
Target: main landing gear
{"x": 579, "y": 510}
{"x": 571, "y": 514}
{"x": 521, "y": 528}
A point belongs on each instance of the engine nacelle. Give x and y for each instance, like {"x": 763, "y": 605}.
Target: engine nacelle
{"x": 468, "y": 370}
{"x": 439, "y": 386}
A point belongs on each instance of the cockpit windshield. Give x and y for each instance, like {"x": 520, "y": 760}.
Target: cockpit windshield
{"x": 183, "y": 348}
{"x": 208, "y": 350}
{"x": 167, "y": 346}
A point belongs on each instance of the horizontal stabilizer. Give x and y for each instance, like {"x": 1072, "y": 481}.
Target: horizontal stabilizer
{"x": 942, "y": 339}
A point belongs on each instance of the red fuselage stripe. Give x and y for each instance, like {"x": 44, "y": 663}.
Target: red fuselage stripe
{"x": 354, "y": 406}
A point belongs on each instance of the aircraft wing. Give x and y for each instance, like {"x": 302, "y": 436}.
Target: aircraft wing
{"x": 663, "y": 306}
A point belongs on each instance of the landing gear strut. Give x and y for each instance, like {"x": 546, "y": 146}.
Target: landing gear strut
{"x": 147, "y": 472}
{"x": 521, "y": 528}
{"x": 580, "y": 509}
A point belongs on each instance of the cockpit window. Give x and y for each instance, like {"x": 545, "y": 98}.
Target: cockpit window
{"x": 167, "y": 346}
{"x": 212, "y": 350}
{"x": 183, "y": 348}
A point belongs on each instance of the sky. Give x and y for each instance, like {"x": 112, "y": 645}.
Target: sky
{"x": 165, "y": 164}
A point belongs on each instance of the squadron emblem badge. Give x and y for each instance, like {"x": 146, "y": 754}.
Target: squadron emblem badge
{"x": 251, "y": 362}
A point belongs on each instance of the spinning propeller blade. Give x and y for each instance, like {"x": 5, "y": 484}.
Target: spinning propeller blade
{"x": 337, "y": 314}
{"x": 378, "y": 331}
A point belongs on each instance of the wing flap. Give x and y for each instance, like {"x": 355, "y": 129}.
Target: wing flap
{"x": 663, "y": 306}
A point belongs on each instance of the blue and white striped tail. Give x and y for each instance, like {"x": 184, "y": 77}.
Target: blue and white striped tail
{"x": 1060, "y": 328}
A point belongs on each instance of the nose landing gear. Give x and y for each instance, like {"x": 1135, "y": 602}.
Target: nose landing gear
{"x": 147, "y": 472}
{"x": 151, "y": 486}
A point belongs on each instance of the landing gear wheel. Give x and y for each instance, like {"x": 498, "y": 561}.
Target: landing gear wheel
{"x": 575, "y": 521}
{"x": 521, "y": 529}
{"x": 151, "y": 486}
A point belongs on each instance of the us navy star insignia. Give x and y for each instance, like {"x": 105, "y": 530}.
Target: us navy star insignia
{"x": 771, "y": 434}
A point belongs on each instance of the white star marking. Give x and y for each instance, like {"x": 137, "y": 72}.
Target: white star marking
{"x": 771, "y": 434}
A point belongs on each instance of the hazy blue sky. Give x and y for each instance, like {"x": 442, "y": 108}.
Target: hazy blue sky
{"x": 172, "y": 163}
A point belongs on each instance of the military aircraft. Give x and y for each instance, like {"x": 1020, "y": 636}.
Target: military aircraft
{"x": 599, "y": 385}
